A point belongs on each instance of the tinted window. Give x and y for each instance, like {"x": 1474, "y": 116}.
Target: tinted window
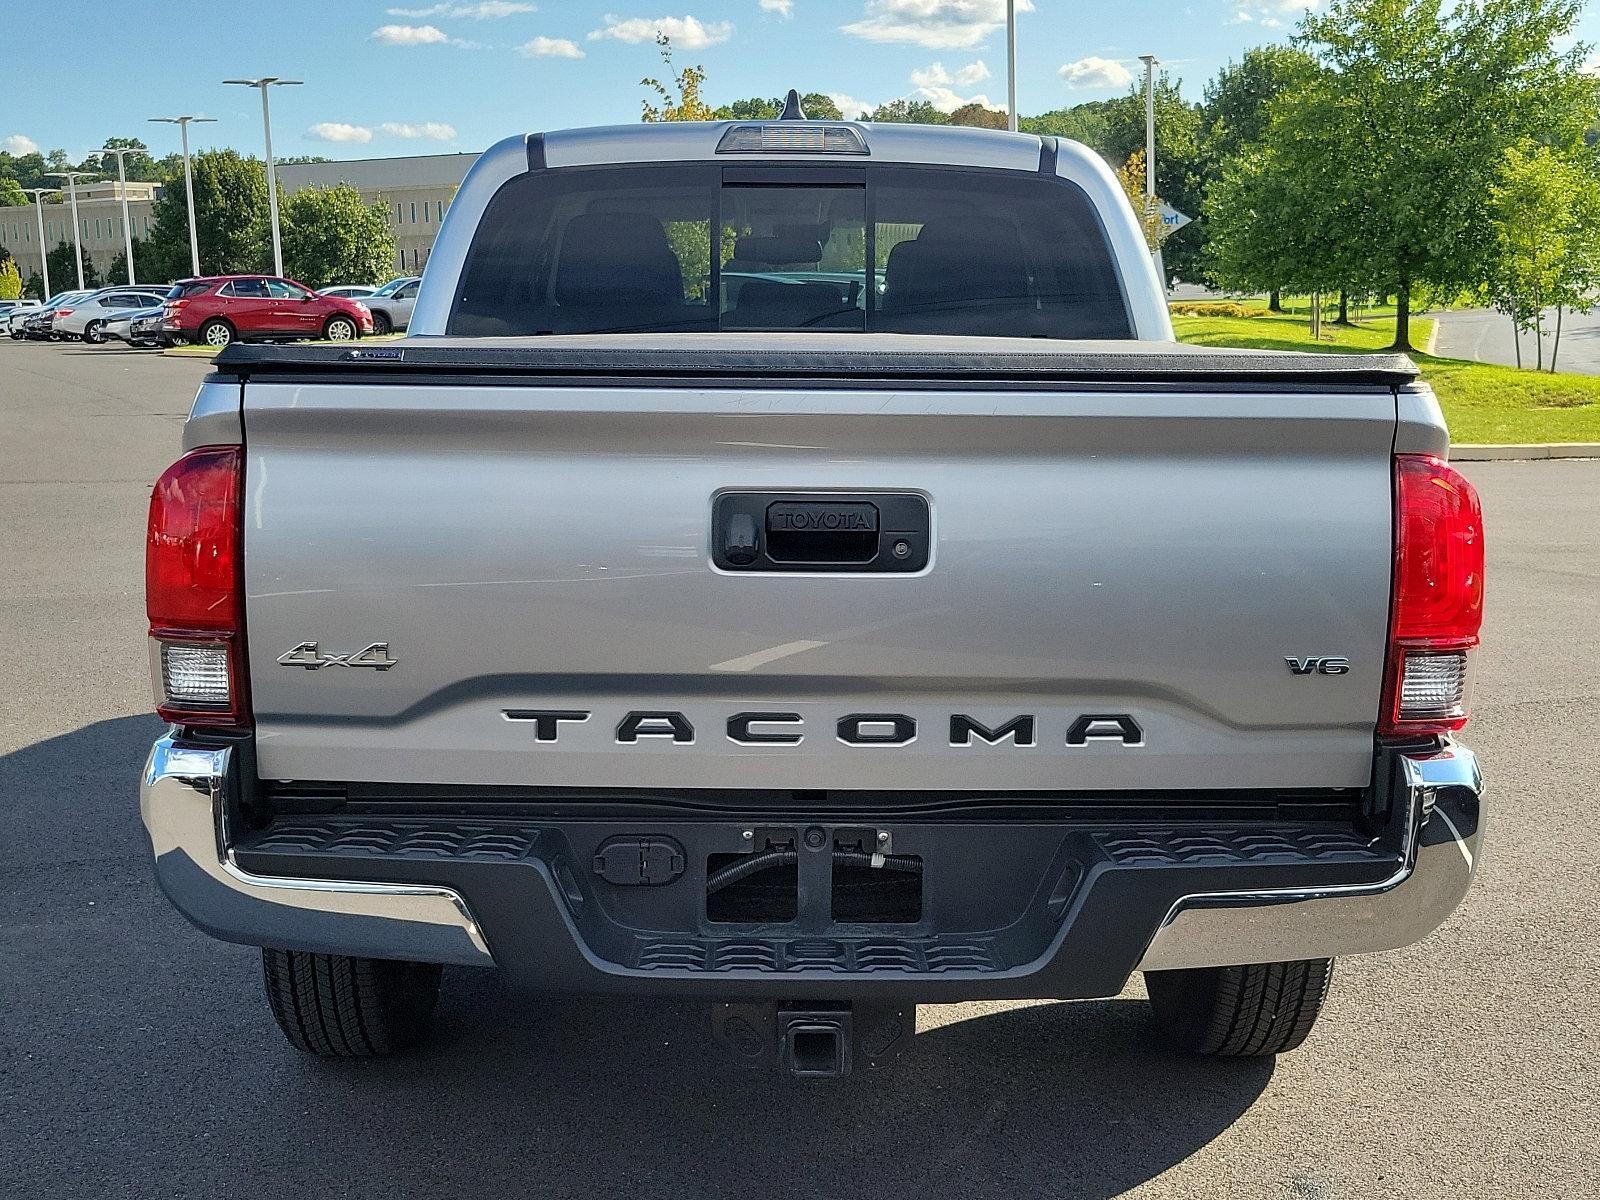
{"x": 181, "y": 291}
{"x": 409, "y": 292}
{"x": 689, "y": 247}
{"x": 246, "y": 289}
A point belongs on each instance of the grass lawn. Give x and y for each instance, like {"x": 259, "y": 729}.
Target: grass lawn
{"x": 1482, "y": 402}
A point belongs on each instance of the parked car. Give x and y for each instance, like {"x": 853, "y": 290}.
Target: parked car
{"x": 219, "y": 309}
{"x": 810, "y": 652}
{"x": 17, "y": 319}
{"x": 86, "y": 317}
{"x": 350, "y": 291}
{"x": 391, "y": 304}
{"x": 137, "y": 327}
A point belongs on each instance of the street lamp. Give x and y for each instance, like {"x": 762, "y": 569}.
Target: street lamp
{"x": 265, "y": 82}
{"x": 183, "y": 124}
{"x": 72, "y": 178}
{"x": 122, "y": 184}
{"x": 1151, "y": 62}
{"x": 38, "y": 195}
{"x": 1011, "y": 65}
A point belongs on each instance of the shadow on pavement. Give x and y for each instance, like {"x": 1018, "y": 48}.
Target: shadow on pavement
{"x": 152, "y": 1066}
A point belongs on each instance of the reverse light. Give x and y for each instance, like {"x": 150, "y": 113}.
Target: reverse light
{"x": 1438, "y": 599}
{"x": 193, "y": 590}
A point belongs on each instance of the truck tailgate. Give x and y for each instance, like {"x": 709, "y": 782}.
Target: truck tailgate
{"x": 1145, "y": 552}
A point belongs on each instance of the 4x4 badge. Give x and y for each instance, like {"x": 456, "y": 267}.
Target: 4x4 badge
{"x": 307, "y": 655}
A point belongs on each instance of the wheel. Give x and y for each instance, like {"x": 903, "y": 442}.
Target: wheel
{"x": 339, "y": 1007}
{"x": 216, "y": 332}
{"x": 1259, "y": 1009}
{"x": 94, "y": 333}
{"x": 339, "y": 329}
{"x": 381, "y": 323}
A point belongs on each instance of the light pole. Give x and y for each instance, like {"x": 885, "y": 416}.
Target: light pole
{"x": 1011, "y": 65}
{"x": 265, "y": 82}
{"x": 183, "y": 124}
{"x": 1150, "y": 62}
{"x": 122, "y": 184}
{"x": 38, "y": 195}
{"x": 72, "y": 178}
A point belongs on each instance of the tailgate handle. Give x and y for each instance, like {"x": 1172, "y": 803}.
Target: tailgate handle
{"x": 822, "y": 531}
{"x": 879, "y": 533}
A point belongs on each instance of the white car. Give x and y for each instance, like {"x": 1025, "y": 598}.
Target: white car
{"x": 391, "y": 304}
{"x": 136, "y": 326}
{"x": 350, "y": 291}
{"x": 86, "y": 317}
{"x": 18, "y": 316}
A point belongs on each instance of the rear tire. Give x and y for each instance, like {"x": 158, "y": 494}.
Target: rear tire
{"x": 216, "y": 333}
{"x": 381, "y": 324}
{"x": 1240, "y": 1012}
{"x": 339, "y": 1007}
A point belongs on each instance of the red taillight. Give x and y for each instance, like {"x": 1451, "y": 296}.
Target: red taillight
{"x": 63, "y": 312}
{"x": 193, "y": 590}
{"x": 1438, "y": 598}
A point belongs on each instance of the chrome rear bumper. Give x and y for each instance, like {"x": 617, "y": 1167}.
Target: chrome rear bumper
{"x": 184, "y": 804}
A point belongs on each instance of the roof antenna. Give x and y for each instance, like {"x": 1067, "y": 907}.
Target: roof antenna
{"x": 791, "y": 108}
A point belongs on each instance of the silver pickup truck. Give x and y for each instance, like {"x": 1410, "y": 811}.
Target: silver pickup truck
{"x": 791, "y": 564}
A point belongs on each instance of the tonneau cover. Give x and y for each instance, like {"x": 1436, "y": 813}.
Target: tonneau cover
{"x": 859, "y": 359}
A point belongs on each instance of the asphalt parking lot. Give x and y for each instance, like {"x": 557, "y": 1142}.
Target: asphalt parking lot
{"x": 137, "y": 1057}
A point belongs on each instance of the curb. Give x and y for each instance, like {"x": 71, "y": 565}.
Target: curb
{"x": 1533, "y": 450}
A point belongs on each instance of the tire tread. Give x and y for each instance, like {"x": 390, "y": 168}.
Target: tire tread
{"x": 335, "y": 1006}
{"x": 1240, "y": 1011}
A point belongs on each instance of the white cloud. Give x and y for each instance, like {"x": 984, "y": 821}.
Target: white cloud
{"x": 1271, "y": 14}
{"x": 1097, "y": 73}
{"x": 19, "y": 144}
{"x": 947, "y": 101}
{"x": 437, "y": 131}
{"x": 849, "y": 106}
{"x": 409, "y": 35}
{"x": 933, "y": 24}
{"x": 478, "y": 12}
{"x": 338, "y": 131}
{"x": 935, "y": 75}
{"x": 786, "y": 7}
{"x": 687, "y": 33}
{"x": 548, "y": 47}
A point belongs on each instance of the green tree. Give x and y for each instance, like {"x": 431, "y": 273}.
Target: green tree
{"x": 817, "y": 106}
{"x": 979, "y": 117}
{"x": 140, "y": 167}
{"x": 10, "y": 280}
{"x": 330, "y": 235}
{"x": 117, "y": 272}
{"x": 1181, "y": 163}
{"x": 34, "y": 285}
{"x": 1238, "y": 102}
{"x": 11, "y": 192}
{"x": 63, "y": 263}
{"x": 908, "y": 112}
{"x": 1084, "y": 123}
{"x": 230, "y": 202}
{"x": 1546, "y": 208}
{"x": 687, "y": 104}
{"x": 1405, "y": 131}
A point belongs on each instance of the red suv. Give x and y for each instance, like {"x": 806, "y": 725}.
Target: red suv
{"x": 227, "y": 308}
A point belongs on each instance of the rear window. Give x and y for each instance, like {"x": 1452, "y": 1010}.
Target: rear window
{"x": 182, "y": 291}
{"x": 708, "y": 247}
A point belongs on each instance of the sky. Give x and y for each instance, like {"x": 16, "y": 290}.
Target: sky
{"x": 417, "y": 77}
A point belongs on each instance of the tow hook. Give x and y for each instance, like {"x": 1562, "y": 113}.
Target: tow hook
{"x": 817, "y": 1040}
